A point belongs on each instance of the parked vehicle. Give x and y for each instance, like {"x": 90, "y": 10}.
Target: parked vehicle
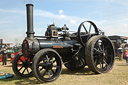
{"x": 119, "y": 42}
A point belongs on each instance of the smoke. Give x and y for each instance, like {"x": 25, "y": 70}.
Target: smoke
{"x": 16, "y": 40}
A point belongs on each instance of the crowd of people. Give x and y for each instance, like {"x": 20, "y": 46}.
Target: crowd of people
{"x": 123, "y": 54}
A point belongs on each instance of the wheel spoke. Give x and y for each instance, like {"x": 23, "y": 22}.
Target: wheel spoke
{"x": 90, "y": 29}
{"x": 103, "y": 48}
{"x": 52, "y": 71}
{"x": 41, "y": 64}
{"x": 24, "y": 58}
{"x": 44, "y": 73}
{"x": 82, "y": 62}
{"x": 95, "y": 56}
{"x": 30, "y": 66}
{"x": 101, "y": 65}
{"x": 106, "y": 64}
{"x": 49, "y": 74}
{"x": 27, "y": 59}
{"x": 20, "y": 68}
{"x": 21, "y": 60}
{"x": 19, "y": 64}
{"x": 85, "y": 28}
{"x": 28, "y": 71}
{"x": 96, "y": 61}
{"x": 47, "y": 58}
{"x": 56, "y": 66}
{"x": 106, "y": 48}
{"x": 23, "y": 71}
{"x": 97, "y": 50}
{"x": 41, "y": 69}
{"x": 54, "y": 61}
{"x": 100, "y": 47}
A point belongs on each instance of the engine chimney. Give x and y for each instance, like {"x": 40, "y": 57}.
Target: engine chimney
{"x": 30, "y": 33}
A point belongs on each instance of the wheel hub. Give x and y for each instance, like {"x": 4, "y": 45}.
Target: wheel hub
{"x": 104, "y": 54}
{"x": 48, "y": 66}
{"x": 26, "y": 64}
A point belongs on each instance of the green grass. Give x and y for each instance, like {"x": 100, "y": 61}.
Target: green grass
{"x": 118, "y": 76}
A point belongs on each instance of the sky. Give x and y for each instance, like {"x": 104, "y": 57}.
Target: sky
{"x": 111, "y": 16}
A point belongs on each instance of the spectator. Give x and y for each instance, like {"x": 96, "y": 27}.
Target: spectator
{"x": 4, "y": 56}
{"x": 126, "y": 56}
{"x": 120, "y": 52}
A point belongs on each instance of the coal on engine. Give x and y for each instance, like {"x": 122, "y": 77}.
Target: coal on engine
{"x": 43, "y": 55}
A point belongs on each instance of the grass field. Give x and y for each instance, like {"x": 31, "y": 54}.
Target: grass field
{"x": 118, "y": 76}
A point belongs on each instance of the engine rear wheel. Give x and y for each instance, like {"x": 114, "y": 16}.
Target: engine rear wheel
{"x": 47, "y": 65}
{"x": 100, "y": 54}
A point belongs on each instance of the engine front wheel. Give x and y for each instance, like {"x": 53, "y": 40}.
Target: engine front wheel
{"x": 22, "y": 66}
{"x": 47, "y": 65}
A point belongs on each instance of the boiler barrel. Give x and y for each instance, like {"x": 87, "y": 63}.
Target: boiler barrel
{"x": 55, "y": 44}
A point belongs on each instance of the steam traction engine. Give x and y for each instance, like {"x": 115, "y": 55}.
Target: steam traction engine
{"x": 43, "y": 55}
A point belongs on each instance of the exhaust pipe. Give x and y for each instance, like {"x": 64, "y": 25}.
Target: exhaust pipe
{"x": 30, "y": 33}
{"x": 30, "y": 44}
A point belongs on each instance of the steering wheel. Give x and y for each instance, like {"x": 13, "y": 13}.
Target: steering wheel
{"x": 85, "y": 30}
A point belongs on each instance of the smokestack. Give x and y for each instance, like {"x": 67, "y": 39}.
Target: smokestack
{"x": 30, "y": 33}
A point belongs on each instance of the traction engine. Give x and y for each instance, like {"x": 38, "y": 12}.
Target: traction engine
{"x": 43, "y": 55}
